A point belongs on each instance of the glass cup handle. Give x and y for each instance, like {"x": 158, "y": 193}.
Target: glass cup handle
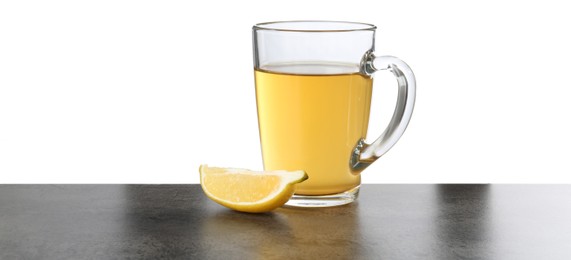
{"x": 365, "y": 154}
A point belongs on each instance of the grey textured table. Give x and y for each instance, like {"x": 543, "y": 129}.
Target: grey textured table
{"x": 387, "y": 222}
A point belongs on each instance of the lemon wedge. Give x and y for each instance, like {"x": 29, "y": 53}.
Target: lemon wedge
{"x": 249, "y": 191}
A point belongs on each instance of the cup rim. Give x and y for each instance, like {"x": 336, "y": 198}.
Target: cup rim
{"x": 328, "y": 26}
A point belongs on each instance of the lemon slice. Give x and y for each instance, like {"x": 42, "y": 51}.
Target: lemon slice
{"x": 249, "y": 191}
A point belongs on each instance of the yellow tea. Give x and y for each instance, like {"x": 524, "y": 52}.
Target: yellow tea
{"x": 312, "y": 121}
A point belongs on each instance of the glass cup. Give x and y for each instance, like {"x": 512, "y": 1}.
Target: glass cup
{"x": 313, "y": 93}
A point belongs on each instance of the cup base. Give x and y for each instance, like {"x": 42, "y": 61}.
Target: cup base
{"x": 318, "y": 201}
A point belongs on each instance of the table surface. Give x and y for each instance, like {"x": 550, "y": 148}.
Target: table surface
{"x": 387, "y": 222}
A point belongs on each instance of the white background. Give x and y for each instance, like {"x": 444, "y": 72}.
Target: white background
{"x": 145, "y": 91}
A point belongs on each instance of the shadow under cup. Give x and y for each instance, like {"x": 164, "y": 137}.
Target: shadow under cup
{"x": 313, "y": 92}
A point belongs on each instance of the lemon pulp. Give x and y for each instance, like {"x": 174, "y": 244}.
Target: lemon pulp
{"x": 249, "y": 191}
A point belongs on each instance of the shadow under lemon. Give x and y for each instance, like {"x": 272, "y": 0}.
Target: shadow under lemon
{"x": 173, "y": 221}
{"x": 287, "y": 232}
